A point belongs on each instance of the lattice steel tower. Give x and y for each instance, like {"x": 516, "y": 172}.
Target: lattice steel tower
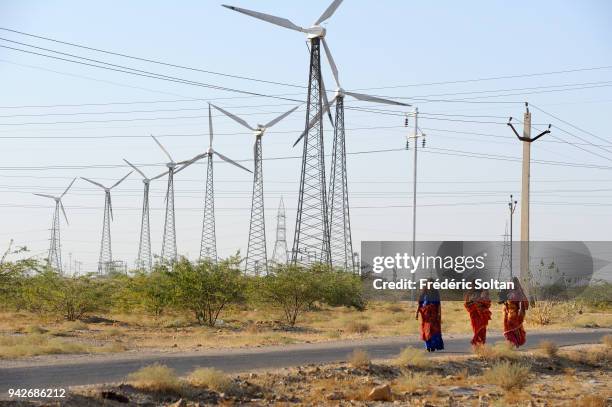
{"x": 144, "y": 261}
{"x": 280, "y": 255}
{"x": 340, "y": 219}
{"x": 54, "y": 257}
{"x": 208, "y": 246}
{"x": 311, "y": 238}
{"x": 106, "y": 253}
{"x": 257, "y": 256}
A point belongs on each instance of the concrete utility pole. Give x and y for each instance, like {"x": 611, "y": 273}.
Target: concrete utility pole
{"x": 526, "y": 140}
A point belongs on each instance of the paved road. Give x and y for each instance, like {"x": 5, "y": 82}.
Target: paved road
{"x": 114, "y": 369}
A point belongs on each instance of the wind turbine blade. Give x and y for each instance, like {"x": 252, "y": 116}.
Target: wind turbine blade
{"x": 283, "y": 22}
{"x": 159, "y": 176}
{"x": 64, "y": 212}
{"x": 224, "y": 158}
{"x": 94, "y": 182}
{"x": 331, "y": 61}
{"x": 329, "y": 12}
{"x": 314, "y": 120}
{"x": 234, "y": 117}
{"x": 163, "y": 149}
{"x": 45, "y": 196}
{"x": 374, "y": 99}
{"x": 326, "y": 102}
{"x": 136, "y": 168}
{"x": 121, "y": 180}
{"x": 210, "y": 128}
{"x": 189, "y": 162}
{"x": 281, "y": 117}
{"x": 66, "y": 190}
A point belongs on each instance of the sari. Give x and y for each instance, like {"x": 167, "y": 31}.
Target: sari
{"x": 431, "y": 321}
{"x": 515, "y": 307}
{"x": 477, "y": 305}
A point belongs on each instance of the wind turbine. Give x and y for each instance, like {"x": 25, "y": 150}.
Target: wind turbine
{"x": 208, "y": 246}
{"x": 257, "y": 256}
{"x": 340, "y": 224}
{"x": 54, "y": 257}
{"x": 106, "y": 253}
{"x": 169, "y": 252}
{"x": 311, "y": 241}
{"x": 145, "y": 260}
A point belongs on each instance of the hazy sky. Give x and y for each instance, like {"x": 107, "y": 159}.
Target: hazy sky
{"x": 391, "y": 48}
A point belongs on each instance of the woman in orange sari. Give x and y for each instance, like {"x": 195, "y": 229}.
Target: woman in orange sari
{"x": 515, "y": 308}
{"x": 430, "y": 309}
{"x": 477, "y": 304}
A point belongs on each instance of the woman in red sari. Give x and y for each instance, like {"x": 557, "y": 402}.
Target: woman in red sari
{"x": 477, "y": 304}
{"x": 515, "y": 308}
{"x": 430, "y": 309}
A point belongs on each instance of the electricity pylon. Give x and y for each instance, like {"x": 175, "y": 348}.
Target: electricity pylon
{"x": 144, "y": 260}
{"x": 257, "y": 256}
{"x": 280, "y": 254}
{"x": 208, "y": 246}
{"x": 106, "y": 253}
{"x": 54, "y": 257}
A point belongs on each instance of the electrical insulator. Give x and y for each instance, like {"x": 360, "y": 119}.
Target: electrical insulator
{"x": 423, "y": 143}
{"x": 406, "y": 122}
{"x": 407, "y": 144}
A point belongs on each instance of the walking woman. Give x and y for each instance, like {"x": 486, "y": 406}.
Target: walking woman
{"x": 431, "y": 319}
{"x": 478, "y": 304}
{"x": 515, "y": 308}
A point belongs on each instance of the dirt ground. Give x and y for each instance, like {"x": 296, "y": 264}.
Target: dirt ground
{"x": 576, "y": 376}
{"x": 26, "y": 335}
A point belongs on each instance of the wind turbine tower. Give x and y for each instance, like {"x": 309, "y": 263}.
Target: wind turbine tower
{"x": 280, "y": 253}
{"x": 311, "y": 241}
{"x": 340, "y": 222}
{"x": 257, "y": 256}
{"x": 208, "y": 245}
{"x": 144, "y": 260}
{"x": 169, "y": 252}
{"x": 54, "y": 258}
{"x": 106, "y": 253}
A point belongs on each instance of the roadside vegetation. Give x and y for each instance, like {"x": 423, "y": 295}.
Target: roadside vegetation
{"x": 197, "y": 305}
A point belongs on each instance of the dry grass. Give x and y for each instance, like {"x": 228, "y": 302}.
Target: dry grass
{"x": 549, "y": 349}
{"x": 35, "y": 330}
{"x": 508, "y": 375}
{"x": 356, "y": 327}
{"x": 607, "y": 340}
{"x": 413, "y": 357}
{"x": 36, "y": 344}
{"x": 414, "y": 382}
{"x": 156, "y": 377}
{"x": 592, "y": 400}
{"x": 210, "y": 378}
{"x": 498, "y": 352}
{"x": 359, "y": 359}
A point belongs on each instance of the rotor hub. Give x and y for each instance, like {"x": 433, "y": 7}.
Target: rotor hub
{"x": 316, "y": 31}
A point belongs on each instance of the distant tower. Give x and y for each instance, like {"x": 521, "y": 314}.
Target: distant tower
{"x": 257, "y": 255}
{"x": 504, "y": 266}
{"x": 280, "y": 253}
{"x": 145, "y": 260}
{"x": 54, "y": 257}
{"x": 105, "y": 262}
{"x": 208, "y": 246}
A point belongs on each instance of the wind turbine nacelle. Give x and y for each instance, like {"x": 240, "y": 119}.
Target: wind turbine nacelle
{"x": 316, "y": 31}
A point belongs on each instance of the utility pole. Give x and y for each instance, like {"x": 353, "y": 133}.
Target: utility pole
{"x": 512, "y": 208}
{"x": 526, "y": 140}
{"x": 415, "y": 136}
